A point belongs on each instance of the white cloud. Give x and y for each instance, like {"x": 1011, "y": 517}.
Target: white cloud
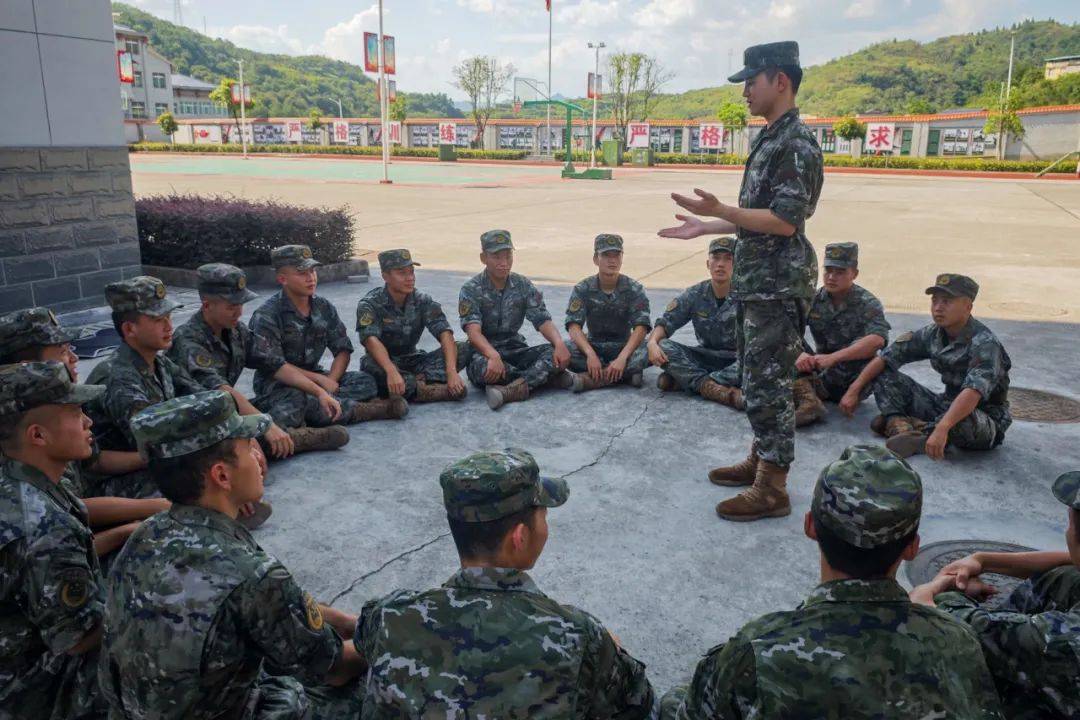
{"x": 861, "y": 9}
{"x": 587, "y": 13}
{"x": 264, "y": 39}
{"x": 345, "y": 41}
{"x": 479, "y": 6}
{"x": 781, "y": 10}
{"x": 665, "y": 13}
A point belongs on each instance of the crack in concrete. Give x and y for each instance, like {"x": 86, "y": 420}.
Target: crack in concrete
{"x": 610, "y": 442}
{"x": 400, "y": 556}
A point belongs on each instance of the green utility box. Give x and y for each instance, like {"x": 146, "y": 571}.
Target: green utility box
{"x": 447, "y": 153}
{"x": 611, "y": 150}
{"x": 643, "y": 157}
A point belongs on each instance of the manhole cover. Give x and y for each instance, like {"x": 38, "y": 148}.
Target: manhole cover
{"x": 1041, "y": 406}
{"x": 1026, "y": 309}
{"x": 933, "y": 557}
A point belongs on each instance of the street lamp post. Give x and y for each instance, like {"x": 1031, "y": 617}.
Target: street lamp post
{"x": 243, "y": 106}
{"x": 338, "y": 101}
{"x": 384, "y": 93}
{"x": 596, "y": 91}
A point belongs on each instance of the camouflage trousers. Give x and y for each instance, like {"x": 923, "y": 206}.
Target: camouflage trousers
{"x": 281, "y": 697}
{"x": 691, "y": 365}
{"x": 831, "y": 384}
{"x": 56, "y": 687}
{"x": 770, "y": 338}
{"x": 899, "y": 394}
{"x": 607, "y": 350}
{"x": 291, "y": 407}
{"x": 136, "y": 485}
{"x": 535, "y": 364}
{"x": 432, "y": 365}
{"x": 671, "y": 700}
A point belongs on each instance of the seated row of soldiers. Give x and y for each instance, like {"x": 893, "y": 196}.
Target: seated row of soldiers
{"x": 195, "y": 621}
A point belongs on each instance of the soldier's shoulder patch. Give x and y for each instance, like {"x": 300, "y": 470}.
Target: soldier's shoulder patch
{"x": 464, "y": 307}
{"x": 575, "y": 304}
{"x": 74, "y": 588}
{"x": 672, "y": 305}
{"x": 314, "y": 614}
{"x": 366, "y": 318}
{"x": 905, "y": 337}
{"x": 203, "y": 360}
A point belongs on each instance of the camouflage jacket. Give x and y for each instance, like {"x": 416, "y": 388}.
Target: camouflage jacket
{"x": 130, "y": 385}
{"x": 214, "y": 360}
{"x": 610, "y": 317}
{"x": 488, "y": 643}
{"x": 713, "y": 318}
{"x": 975, "y": 359}
{"x": 195, "y": 607}
{"x": 501, "y": 313}
{"x": 835, "y": 327}
{"x": 51, "y": 595}
{"x": 783, "y": 174}
{"x": 855, "y": 649}
{"x": 399, "y": 329}
{"x": 1033, "y": 645}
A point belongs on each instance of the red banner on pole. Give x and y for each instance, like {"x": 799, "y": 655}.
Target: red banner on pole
{"x": 371, "y": 52}
{"x": 125, "y": 67}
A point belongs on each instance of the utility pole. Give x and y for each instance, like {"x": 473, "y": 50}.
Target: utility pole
{"x": 1002, "y": 137}
{"x": 243, "y": 109}
{"x": 551, "y": 150}
{"x": 596, "y": 91}
{"x": 338, "y": 101}
{"x": 384, "y": 93}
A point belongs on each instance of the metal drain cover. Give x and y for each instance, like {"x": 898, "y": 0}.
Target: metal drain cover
{"x": 1041, "y": 406}
{"x": 933, "y": 557}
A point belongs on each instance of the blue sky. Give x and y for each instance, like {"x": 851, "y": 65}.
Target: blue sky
{"x": 697, "y": 39}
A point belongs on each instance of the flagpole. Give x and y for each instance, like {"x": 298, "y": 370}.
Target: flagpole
{"x": 384, "y": 93}
{"x": 551, "y": 149}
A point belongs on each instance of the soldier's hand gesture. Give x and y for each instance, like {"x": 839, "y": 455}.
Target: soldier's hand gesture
{"x": 704, "y": 204}
{"x": 691, "y": 228}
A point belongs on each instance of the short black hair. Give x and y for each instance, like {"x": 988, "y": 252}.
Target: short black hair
{"x": 10, "y": 429}
{"x": 119, "y": 318}
{"x": 860, "y": 562}
{"x": 794, "y": 73}
{"x": 482, "y": 539}
{"x": 182, "y": 479}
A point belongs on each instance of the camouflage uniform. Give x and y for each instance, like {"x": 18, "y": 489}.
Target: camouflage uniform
{"x": 286, "y": 336}
{"x": 610, "y": 317}
{"x": 51, "y": 592}
{"x": 399, "y": 329}
{"x": 974, "y": 359}
{"x": 714, "y": 327}
{"x": 774, "y": 276}
{"x": 488, "y": 643}
{"x": 1030, "y": 642}
{"x": 130, "y": 385}
{"x": 500, "y": 315}
{"x": 855, "y": 649}
{"x": 198, "y": 613}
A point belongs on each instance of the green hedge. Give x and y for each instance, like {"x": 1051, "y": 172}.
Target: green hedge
{"x": 375, "y": 151}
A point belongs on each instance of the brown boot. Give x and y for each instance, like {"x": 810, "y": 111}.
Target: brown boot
{"x": 909, "y": 443}
{"x": 392, "y": 408}
{"x": 435, "y": 392}
{"x": 665, "y": 382}
{"x": 736, "y": 475}
{"x": 561, "y": 379}
{"x": 898, "y": 424}
{"x": 767, "y": 497}
{"x": 583, "y": 381}
{"x": 808, "y": 406}
{"x": 723, "y": 394}
{"x": 877, "y": 425}
{"x": 306, "y": 439}
{"x": 499, "y": 395}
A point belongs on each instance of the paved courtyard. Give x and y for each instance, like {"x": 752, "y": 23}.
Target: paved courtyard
{"x": 638, "y": 543}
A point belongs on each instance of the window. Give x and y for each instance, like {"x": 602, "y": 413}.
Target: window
{"x": 159, "y": 80}
{"x": 160, "y": 109}
{"x": 138, "y": 109}
{"x": 138, "y": 78}
{"x": 132, "y": 46}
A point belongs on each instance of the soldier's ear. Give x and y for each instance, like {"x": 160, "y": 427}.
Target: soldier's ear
{"x": 912, "y": 549}
{"x": 854, "y": 273}
{"x": 808, "y": 526}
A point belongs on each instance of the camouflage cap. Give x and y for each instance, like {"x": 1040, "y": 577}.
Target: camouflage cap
{"x": 297, "y": 256}
{"x": 36, "y": 327}
{"x": 190, "y": 423}
{"x": 1067, "y": 489}
{"x": 227, "y": 282}
{"x": 607, "y": 242}
{"x": 143, "y": 294}
{"x": 495, "y": 240}
{"x": 842, "y": 255}
{"x": 722, "y": 244}
{"x": 762, "y": 57}
{"x": 869, "y": 497}
{"x": 394, "y": 259}
{"x": 490, "y": 485}
{"x": 955, "y": 285}
{"x": 24, "y": 386}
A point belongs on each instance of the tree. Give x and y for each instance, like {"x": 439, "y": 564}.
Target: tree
{"x": 315, "y": 121}
{"x": 399, "y": 109}
{"x": 849, "y": 128}
{"x": 484, "y": 80}
{"x": 635, "y": 80}
{"x": 1004, "y": 122}
{"x": 733, "y": 115}
{"x": 919, "y": 106}
{"x": 222, "y": 95}
{"x": 168, "y": 125}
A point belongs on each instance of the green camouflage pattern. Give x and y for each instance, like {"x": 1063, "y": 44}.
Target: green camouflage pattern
{"x": 297, "y": 256}
{"x": 36, "y": 327}
{"x": 955, "y": 285}
{"x": 196, "y": 610}
{"x": 51, "y": 596}
{"x": 218, "y": 359}
{"x": 24, "y": 386}
{"x": 224, "y": 281}
{"x": 715, "y": 327}
{"x": 692, "y": 365}
{"x": 1067, "y": 489}
{"x": 855, "y": 649}
{"x": 607, "y": 351}
{"x": 187, "y": 424}
{"x": 869, "y": 497}
{"x": 607, "y": 242}
{"x": 399, "y": 329}
{"x": 394, "y": 259}
{"x": 608, "y": 317}
{"x": 536, "y": 364}
{"x": 487, "y": 486}
{"x": 144, "y": 294}
{"x": 841, "y": 255}
{"x": 494, "y": 241}
{"x": 490, "y": 644}
{"x": 1031, "y": 643}
{"x": 429, "y": 364}
{"x": 769, "y": 55}
{"x": 784, "y": 175}
{"x": 837, "y": 326}
{"x": 726, "y": 243}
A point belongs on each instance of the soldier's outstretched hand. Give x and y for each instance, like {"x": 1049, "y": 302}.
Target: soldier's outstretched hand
{"x": 849, "y": 403}
{"x": 330, "y": 406}
{"x": 703, "y": 203}
{"x": 691, "y": 228}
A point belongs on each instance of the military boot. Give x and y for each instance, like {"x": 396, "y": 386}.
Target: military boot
{"x": 561, "y": 379}
{"x": 877, "y": 425}
{"x": 306, "y": 439}
{"x": 392, "y": 408}
{"x": 665, "y": 382}
{"x": 723, "y": 394}
{"x": 897, "y": 424}
{"x": 906, "y": 444}
{"x": 632, "y": 378}
{"x": 263, "y": 510}
{"x": 808, "y": 406}
{"x": 583, "y": 381}
{"x": 435, "y": 392}
{"x": 499, "y": 395}
{"x": 766, "y": 498}
{"x": 736, "y": 475}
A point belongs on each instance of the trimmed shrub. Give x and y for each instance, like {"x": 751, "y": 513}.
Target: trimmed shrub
{"x": 186, "y": 231}
{"x": 364, "y": 150}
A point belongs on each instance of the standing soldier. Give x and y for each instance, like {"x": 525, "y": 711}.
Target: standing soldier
{"x": 616, "y": 310}
{"x": 848, "y": 326}
{"x": 492, "y": 307}
{"x": 775, "y": 272}
{"x": 390, "y": 321}
{"x": 709, "y": 370}
{"x": 215, "y": 347}
{"x": 296, "y": 327}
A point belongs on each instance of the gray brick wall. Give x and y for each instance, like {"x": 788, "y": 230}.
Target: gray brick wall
{"x": 67, "y": 226}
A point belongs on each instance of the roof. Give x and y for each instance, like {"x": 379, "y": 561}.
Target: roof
{"x": 1063, "y": 57}
{"x": 186, "y": 82}
{"x": 125, "y": 30}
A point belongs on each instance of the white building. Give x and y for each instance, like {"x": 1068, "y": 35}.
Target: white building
{"x": 151, "y": 94}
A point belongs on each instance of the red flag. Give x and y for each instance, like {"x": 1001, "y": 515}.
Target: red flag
{"x": 548, "y": 3}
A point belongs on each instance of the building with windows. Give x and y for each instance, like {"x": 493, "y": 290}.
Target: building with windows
{"x": 151, "y": 93}
{"x": 191, "y": 98}
{"x": 1064, "y": 65}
